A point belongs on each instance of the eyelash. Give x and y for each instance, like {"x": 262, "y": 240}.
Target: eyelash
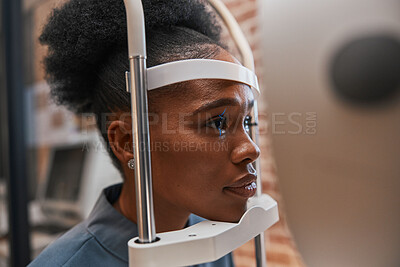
{"x": 220, "y": 124}
{"x": 248, "y": 123}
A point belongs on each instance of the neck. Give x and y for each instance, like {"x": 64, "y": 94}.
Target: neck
{"x": 167, "y": 216}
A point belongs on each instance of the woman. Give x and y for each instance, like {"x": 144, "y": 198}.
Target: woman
{"x": 201, "y": 151}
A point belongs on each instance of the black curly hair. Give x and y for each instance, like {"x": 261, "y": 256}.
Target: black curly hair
{"x": 88, "y": 50}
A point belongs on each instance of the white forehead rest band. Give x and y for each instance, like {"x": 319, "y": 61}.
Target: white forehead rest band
{"x": 192, "y": 69}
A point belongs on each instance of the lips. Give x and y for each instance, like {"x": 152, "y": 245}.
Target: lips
{"x": 245, "y": 187}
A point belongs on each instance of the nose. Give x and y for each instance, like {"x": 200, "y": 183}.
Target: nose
{"x": 245, "y": 151}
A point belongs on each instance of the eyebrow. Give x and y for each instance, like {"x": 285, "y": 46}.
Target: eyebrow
{"x": 222, "y": 102}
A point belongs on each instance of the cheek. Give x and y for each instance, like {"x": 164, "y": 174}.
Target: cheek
{"x": 183, "y": 163}
{"x": 184, "y": 167}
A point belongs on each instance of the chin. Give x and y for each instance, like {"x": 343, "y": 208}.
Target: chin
{"x": 232, "y": 214}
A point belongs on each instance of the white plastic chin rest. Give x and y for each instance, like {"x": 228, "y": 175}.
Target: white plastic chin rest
{"x": 206, "y": 241}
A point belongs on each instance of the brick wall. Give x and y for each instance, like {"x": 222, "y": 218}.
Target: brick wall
{"x": 281, "y": 249}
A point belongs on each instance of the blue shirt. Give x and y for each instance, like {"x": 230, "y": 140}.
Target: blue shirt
{"x": 101, "y": 239}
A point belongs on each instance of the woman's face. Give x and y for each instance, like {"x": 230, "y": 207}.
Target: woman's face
{"x": 200, "y": 149}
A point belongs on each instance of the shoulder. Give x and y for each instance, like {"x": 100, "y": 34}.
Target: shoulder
{"x": 64, "y": 248}
{"x": 75, "y": 248}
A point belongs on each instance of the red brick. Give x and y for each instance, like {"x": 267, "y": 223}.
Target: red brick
{"x": 249, "y": 14}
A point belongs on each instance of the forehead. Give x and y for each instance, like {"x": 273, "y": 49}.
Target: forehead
{"x": 201, "y": 91}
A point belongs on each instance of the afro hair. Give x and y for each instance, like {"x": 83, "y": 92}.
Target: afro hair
{"x": 82, "y": 34}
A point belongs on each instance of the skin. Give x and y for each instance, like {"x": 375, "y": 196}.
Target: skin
{"x": 191, "y": 180}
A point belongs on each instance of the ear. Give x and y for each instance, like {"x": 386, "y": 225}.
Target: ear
{"x": 120, "y": 137}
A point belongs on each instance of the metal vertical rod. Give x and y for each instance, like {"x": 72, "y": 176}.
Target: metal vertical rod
{"x": 141, "y": 144}
{"x": 16, "y": 160}
{"x": 261, "y": 257}
{"x": 254, "y": 136}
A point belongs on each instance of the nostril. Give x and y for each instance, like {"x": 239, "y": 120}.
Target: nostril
{"x": 246, "y": 151}
{"x": 248, "y": 161}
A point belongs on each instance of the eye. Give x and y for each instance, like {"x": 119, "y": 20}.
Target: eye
{"x": 218, "y": 123}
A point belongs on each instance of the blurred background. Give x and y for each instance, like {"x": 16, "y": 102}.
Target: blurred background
{"x": 329, "y": 133}
{"x": 332, "y": 78}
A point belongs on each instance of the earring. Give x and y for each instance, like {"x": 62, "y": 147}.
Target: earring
{"x": 131, "y": 164}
